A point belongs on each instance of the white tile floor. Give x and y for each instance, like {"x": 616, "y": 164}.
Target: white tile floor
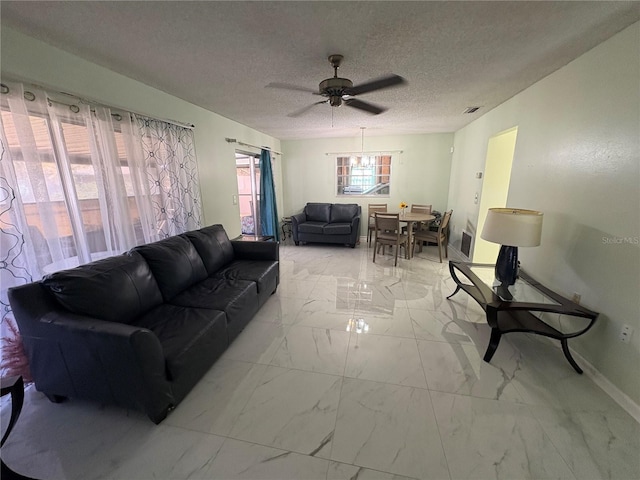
{"x": 305, "y": 394}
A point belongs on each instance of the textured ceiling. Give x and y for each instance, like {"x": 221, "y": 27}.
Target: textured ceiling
{"x": 220, "y": 55}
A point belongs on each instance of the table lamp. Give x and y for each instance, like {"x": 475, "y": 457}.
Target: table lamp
{"x": 511, "y": 228}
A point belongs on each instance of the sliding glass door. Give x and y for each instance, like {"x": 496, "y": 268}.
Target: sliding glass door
{"x": 248, "y": 175}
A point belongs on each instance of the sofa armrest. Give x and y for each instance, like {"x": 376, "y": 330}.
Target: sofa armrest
{"x": 298, "y": 218}
{"x": 355, "y": 229}
{"x": 256, "y": 250}
{"x": 295, "y": 221}
{"x": 74, "y": 355}
{"x": 129, "y": 350}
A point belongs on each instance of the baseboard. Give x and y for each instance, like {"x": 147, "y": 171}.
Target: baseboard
{"x": 621, "y": 398}
{"x": 617, "y": 395}
{"x": 461, "y": 257}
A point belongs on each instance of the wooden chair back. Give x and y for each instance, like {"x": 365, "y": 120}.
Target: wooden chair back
{"x": 387, "y": 223}
{"x": 376, "y": 207}
{"x": 372, "y": 208}
{"x": 388, "y": 232}
{"x": 444, "y": 224}
{"x": 417, "y": 208}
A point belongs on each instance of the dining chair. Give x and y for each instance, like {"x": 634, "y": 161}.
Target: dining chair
{"x": 388, "y": 232}
{"x": 441, "y": 237}
{"x": 418, "y": 208}
{"x": 373, "y": 207}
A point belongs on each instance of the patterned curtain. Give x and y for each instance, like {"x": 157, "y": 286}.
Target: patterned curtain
{"x": 80, "y": 182}
{"x": 166, "y": 161}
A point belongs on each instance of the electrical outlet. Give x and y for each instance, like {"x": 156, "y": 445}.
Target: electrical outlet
{"x": 576, "y": 298}
{"x": 625, "y": 333}
{"x": 235, "y": 199}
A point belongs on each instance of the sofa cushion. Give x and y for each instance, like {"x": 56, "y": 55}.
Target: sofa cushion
{"x": 336, "y": 229}
{"x": 213, "y": 246}
{"x": 191, "y": 338}
{"x": 311, "y": 227}
{"x": 318, "y": 212}
{"x": 116, "y": 289}
{"x": 175, "y": 264}
{"x": 237, "y": 298}
{"x": 343, "y": 212}
{"x": 263, "y": 272}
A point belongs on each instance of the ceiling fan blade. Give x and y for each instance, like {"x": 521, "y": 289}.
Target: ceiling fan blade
{"x": 287, "y": 86}
{"x": 304, "y": 110}
{"x": 367, "y": 107}
{"x": 377, "y": 84}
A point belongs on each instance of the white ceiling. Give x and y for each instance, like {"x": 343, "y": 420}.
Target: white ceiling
{"x": 220, "y": 55}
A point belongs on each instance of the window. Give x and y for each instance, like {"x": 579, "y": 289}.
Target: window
{"x": 46, "y": 196}
{"x": 363, "y": 175}
{"x": 82, "y": 183}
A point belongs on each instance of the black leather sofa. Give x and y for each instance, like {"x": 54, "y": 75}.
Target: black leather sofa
{"x": 327, "y": 223}
{"x": 140, "y": 329}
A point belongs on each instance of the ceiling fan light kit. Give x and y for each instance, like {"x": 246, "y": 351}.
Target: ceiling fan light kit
{"x": 335, "y": 87}
{"x": 340, "y": 91}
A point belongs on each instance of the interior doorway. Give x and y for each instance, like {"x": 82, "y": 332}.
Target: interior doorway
{"x": 248, "y": 175}
{"x": 495, "y": 188}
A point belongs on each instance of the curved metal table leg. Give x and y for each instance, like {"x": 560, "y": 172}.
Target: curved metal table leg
{"x": 494, "y": 341}
{"x": 15, "y": 387}
{"x": 567, "y": 354}
{"x": 456, "y": 291}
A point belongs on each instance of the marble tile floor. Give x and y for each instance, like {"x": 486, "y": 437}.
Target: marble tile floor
{"x": 352, "y": 370}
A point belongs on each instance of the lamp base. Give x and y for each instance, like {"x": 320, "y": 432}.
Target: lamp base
{"x": 507, "y": 265}
{"x": 503, "y": 292}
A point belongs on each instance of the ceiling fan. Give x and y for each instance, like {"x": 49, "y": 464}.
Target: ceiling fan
{"x": 341, "y": 90}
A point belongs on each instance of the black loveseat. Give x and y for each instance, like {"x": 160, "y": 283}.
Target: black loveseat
{"x": 327, "y": 223}
{"x": 140, "y": 329}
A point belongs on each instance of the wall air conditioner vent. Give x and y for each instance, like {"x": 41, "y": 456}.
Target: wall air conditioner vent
{"x": 471, "y": 110}
{"x": 465, "y": 245}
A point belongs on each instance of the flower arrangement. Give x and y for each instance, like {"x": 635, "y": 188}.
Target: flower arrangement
{"x": 403, "y": 205}
{"x": 14, "y": 358}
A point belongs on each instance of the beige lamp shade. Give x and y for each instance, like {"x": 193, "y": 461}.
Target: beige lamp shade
{"x": 515, "y": 227}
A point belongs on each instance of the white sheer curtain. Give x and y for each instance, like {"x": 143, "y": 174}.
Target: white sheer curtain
{"x": 81, "y": 182}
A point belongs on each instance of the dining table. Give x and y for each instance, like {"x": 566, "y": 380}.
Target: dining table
{"x": 410, "y": 218}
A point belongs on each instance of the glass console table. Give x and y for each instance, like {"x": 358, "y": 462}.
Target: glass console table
{"x": 254, "y": 238}
{"x": 510, "y": 310}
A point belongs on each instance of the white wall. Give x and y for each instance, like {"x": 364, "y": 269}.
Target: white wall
{"x": 420, "y": 174}
{"x": 25, "y": 58}
{"x": 577, "y": 159}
